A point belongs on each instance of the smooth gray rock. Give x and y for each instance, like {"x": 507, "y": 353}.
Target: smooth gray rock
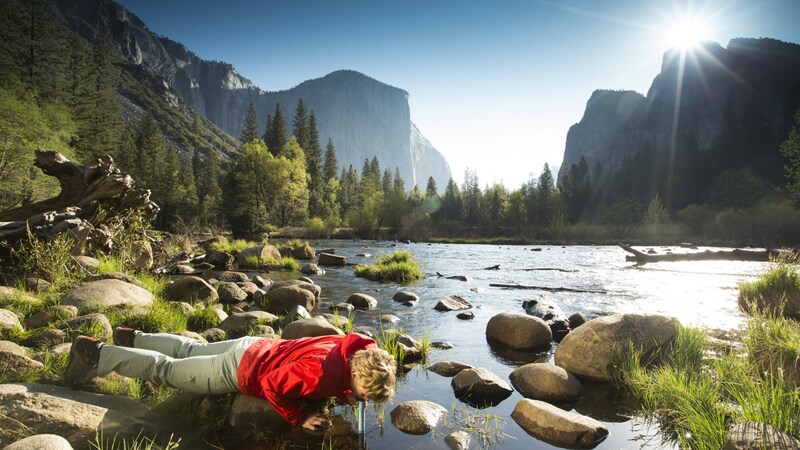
{"x": 417, "y": 416}
{"x": 452, "y": 303}
{"x": 519, "y": 331}
{"x": 213, "y": 335}
{"x": 593, "y": 349}
{"x": 327, "y": 259}
{"x": 310, "y": 327}
{"x": 362, "y": 301}
{"x": 312, "y": 269}
{"x": 281, "y": 300}
{"x": 389, "y": 319}
{"x": 41, "y": 442}
{"x": 541, "y": 381}
{"x": 239, "y": 324}
{"x": 405, "y": 296}
{"x": 757, "y": 436}
{"x": 264, "y": 253}
{"x": 458, "y": 440}
{"x": 466, "y": 315}
{"x": 296, "y": 313}
{"x": 552, "y": 424}
{"x": 96, "y": 321}
{"x": 230, "y": 293}
{"x": 441, "y": 345}
{"x": 110, "y": 293}
{"x": 11, "y": 347}
{"x": 190, "y": 289}
{"x": 225, "y": 276}
{"x": 309, "y": 286}
{"x": 448, "y": 368}
{"x": 218, "y": 259}
{"x": 87, "y": 262}
{"x": 113, "y": 276}
{"x": 9, "y": 321}
{"x": 480, "y": 387}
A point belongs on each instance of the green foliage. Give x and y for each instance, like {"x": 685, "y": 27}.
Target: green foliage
{"x": 250, "y": 130}
{"x": 235, "y": 246}
{"x": 120, "y": 386}
{"x": 161, "y": 317}
{"x": 791, "y": 150}
{"x": 50, "y": 259}
{"x": 289, "y": 263}
{"x": 655, "y": 213}
{"x": 399, "y": 266}
{"x": 202, "y": 319}
{"x": 773, "y": 344}
{"x": 316, "y": 228}
{"x": 769, "y": 293}
{"x": 138, "y": 443}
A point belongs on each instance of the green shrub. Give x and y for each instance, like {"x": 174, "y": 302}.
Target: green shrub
{"x": 51, "y": 260}
{"x": 289, "y": 263}
{"x": 399, "y": 266}
{"x": 316, "y": 228}
{"x": 235, "y": 246}
{"x": 773, "y": 291}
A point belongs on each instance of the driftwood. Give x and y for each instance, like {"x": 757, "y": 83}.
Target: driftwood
{"x": 722, "y": 255}
{"x": 90, "y": 196}
{"x": 543, "y": 288}
{"x": 547, "y": 268}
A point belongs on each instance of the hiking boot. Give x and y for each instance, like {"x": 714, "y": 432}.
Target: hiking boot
{"x": 123, "y": 337}
{"x": 82, "y": 363}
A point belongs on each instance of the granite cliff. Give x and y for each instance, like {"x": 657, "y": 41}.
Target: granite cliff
{"x": 362, "y": 116}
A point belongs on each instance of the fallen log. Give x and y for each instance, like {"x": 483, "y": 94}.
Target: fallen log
{"x": 547, "y": 268}
{"x": 543, "y": 288}
{"x": 641, "y": 258}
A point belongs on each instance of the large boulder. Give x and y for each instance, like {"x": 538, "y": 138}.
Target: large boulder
{"x": 223, "y": 276}
{"x": 142, "y": 255}
{"x": 303, "y": 252}
{"x": 417, "y": 416}
{"x": 283, "y": 299}
{"x": 250, "y": 413}
{"x": 113, "y": 276}
{"x": 519, "y": 331}
{"x": 405, "y": 296}
{"x": 754, "y": 435}
{"x": 480, "y": 387}
{"x": 190, "y": 289}
{"x": 76, "y": 416}
{"x": 230, "y": 293}
{"x": 448, "y": 368}
{"x": 239, "y": 324}
{"x": 111, "y": 293}
{"x": 541, "y": 381}
{"x": 9, "y": 295}
{"x": 309, "y": 286}
{"x": 262, "y": 254}
{"x": 11, "y": 347}
{"x": 362, "y": 301}
{"x": 593, "y": 350}
{"x": 41, "y": 442}
{"x": 315, "y": 326}
{"x": 16, "y": 366}
{"x": 552, "y": 424}
{"x": 96, "y": 322}
{"x": 452, "y": 303}
{"x": 9, "y": 321}
{"x": 220, "y": 260}
{"x": 328, "y": 259}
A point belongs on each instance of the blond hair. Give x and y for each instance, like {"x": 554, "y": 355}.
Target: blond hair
{"x": 375, "y": 370}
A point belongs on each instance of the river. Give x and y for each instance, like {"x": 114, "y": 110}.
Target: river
{"x": 696, "y": 293}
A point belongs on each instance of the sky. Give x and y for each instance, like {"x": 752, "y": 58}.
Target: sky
{"x": 494, "y": 85}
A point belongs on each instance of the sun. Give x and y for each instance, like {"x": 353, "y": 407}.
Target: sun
{"x": 686, "y": 34}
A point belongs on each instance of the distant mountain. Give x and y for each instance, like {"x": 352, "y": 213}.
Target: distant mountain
{"x": 364, "y": 117}
{"x": 734, "y": 106}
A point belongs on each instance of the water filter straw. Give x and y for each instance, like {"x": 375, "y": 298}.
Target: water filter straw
{"x": 360, "y": 419}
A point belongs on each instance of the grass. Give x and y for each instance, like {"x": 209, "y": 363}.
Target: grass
{"x": 202, "y": 319}
{"x": 120, "y": 386}
{"x": 109, "y": 264}
{"x": 398, "y": 266}
{"x": 344, "y": 323}
{"x": 486, "y": 426}
{"x": 697, "y": 400}
{"x": 161, "y": 317}
{"x": 235, "y": 246}
{"x": 388, "y": 341}
{"x": 137, "y": 443}
{"x": 772, "y": 290}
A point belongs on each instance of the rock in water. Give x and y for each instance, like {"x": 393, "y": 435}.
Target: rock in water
{"x": 753, "y": 435}
{"x": 552, "y": 424}
{"x": 519, "y": 331}
{"x": 547, "y": 382}
{"x": 480, "y": 387}
{"x": 452, "y": 303}
{"x": 417, "y": 416}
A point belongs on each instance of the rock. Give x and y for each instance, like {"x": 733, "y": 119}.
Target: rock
{"x": 389, "y": 319}
{"x": 261, "y": 282}
{"x": 249, "y": 288}
{"x": 35, "y": 284}
{"x": 263, "y": 253}
{"x": 547, "y": 310}
{"x": 182, "y": 269}
{"x": 250, "y": 413}
{"x": 785, "y": 302}
{"x": 190, "y": 289}
{"x": 440, "y": 345}
{"x": 11, "y": 347}
{"x": 407, "y": 340}
{"x": 312, "y": 269}
{"x": 309, "y": 286}
{"x": 345, "y": 308}
{"x": 448, "y": 368}
{"x": 183, "y": 307}
{"x": 541, "y": 381}
{"x": 225, "y": 276}
{"x": 9, "y": 295}
{"x": 405, "y": 296}
{"x": 552, "y": 424}
{"x": 75, "y": 415}
{"x": 109, "y": 293}
{"x": 460, "y": 278}
{"x": 95, "y": 321}
{"x": 417, "y": 416}
{"x": 304, "y": 252}
{"x": 466, "y": 315}
{"x": 220, "y": 260}
{"x": 452, "y": 303}
{"x": 519, "y": 331}
{"x": 213, "y": 335}
{"x": 327, "y": 259}
{"x": 14, "y": 365}
{"x": 239, "y": 324}
{"x": 458, "y": 440}
{"x": 113, "y": 276}
{"x": 576, "y": 320}
{"x": 63, "y": 312}
{"x": 309, "y": 328}
{"x": 87, "y": 262}
{"x": 37, "y": 320}
{"x": 362, "y": 301}
{"x": 9, "y": 321}
{"x": 592, "y": 350}
{"x": 230, "y": 293}
{"x": 296, "y": 313}
{"x": 306, "y": 279}
{"x": 142, "y": 255}
{"x": 480, "y": 387}
{"x": 41, "y": 442}
{"x": 283, "y": 299}
{"x": 49, "y": 337}
{"x": 410, "y": 304}
{"x": 754, "y": 435}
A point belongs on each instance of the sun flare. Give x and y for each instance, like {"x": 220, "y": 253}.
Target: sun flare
{"x": 686, "y": 34}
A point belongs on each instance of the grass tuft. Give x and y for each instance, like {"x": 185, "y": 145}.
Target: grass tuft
{"x": 399, "y": 266}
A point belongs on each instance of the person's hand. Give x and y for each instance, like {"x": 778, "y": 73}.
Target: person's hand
{"x": 316, "y": 421}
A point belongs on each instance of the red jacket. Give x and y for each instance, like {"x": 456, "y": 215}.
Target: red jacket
{"x": 284, "y": 371}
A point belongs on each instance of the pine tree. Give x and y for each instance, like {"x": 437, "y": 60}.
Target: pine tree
{"x": 44, "y": 53}
{"x": 430, "y": 189}
{"x": 267, "y": 128}
{"x": 250, "y": 130}
{"x": 301, "y": 125}
{"x": 791, "y": 150}
{"x": 386, "y": 181}
{"x": 13, "y": 37}
{"x": 314, "y": 168}
{"x": 276, "y": 134}
{"x": 209, "y": 193}
{"x": 471, "y": 192}
{"x": 452, "y": 203}
{"x": 331, "y": 166}
{"x": 76, "y": 69}
{"x": 398, "y": 183}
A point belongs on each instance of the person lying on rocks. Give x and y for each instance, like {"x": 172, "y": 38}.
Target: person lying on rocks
{"x": 284, "y": 372}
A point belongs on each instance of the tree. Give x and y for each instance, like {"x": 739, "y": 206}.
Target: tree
{"x": 301, "y": 125}
{"x": 471, "y": 192}
{"x": 430, "y": 189}
{"x": 791, "y": 150}
{"x": 655, "y": 214}
{"x": 331, "y": 166}
{"x": 288, "y": 186}
{"x": 209, "y": 192}
{"x": 276, "y": 133}
{"x": 316, "y": 181}
{"x": 250, "y": 130}
{"x": 252, "y": 188}
{"x": 452, "y": 203}
{"x": 44, "y": 51}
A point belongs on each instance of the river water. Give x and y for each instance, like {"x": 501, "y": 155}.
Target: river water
{"x": 696, "y": 293}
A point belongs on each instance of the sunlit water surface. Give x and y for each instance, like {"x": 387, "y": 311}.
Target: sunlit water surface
{"x": 696, "y": 293}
